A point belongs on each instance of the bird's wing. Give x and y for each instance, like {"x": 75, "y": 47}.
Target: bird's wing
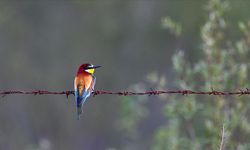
{"x": 80, "y": 95}
{"x": 77, "y": 87}
{"x": 93, "y": 83}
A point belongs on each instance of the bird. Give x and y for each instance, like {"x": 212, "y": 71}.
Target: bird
{"x": 84, "y": 84}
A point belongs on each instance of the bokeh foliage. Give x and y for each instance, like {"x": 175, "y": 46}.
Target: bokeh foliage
{"x": 195, "y": 122}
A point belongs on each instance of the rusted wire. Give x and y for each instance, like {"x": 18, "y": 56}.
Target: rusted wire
{"x": 130, "y": 93}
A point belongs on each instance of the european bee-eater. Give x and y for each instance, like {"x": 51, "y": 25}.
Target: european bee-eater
{"x": 84, "y": 85}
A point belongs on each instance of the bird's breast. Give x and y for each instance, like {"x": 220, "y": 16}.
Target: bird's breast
{"x": 83, "y": 81}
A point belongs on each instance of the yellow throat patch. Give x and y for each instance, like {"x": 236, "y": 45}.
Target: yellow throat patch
{"x": 91, "y": 71}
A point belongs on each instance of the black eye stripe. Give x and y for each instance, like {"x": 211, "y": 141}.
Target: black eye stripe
{"x": 89, "y": 66}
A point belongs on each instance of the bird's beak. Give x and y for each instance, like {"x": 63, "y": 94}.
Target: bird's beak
{"x": 96, "y": 66}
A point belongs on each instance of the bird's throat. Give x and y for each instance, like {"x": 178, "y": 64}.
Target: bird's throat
{"x": 91, "y": 71}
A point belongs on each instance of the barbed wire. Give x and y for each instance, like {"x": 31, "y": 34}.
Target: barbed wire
{"x": 129, "y": 93}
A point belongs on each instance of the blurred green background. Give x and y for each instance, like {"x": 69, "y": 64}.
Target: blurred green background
{"x": 141, "y": 44}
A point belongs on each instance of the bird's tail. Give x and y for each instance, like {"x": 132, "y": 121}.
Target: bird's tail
{"x": 79, "y": 111}
{"x": 79, "y": 107}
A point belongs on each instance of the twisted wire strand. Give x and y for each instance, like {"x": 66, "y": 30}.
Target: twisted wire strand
{"x": 130, "y": 93}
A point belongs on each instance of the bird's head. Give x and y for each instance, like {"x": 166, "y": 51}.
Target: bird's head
{"x": 89, "y": 68}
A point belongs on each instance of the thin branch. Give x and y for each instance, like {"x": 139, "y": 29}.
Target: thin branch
{"x": 222, "y": 138}
{"x": 130, "y": 93}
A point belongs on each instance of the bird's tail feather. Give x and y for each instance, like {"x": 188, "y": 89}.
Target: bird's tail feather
{"x": 79, "y": 107}
{"x": 79, "y": 111}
